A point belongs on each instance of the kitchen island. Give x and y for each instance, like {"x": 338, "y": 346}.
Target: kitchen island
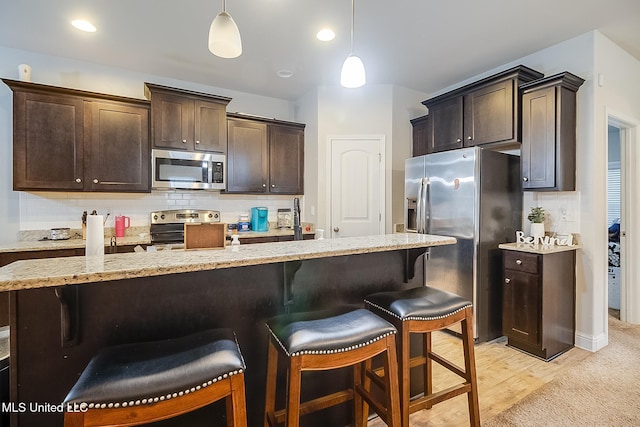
{"x": 63, "y": 310}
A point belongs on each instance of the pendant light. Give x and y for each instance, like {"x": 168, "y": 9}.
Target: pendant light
{"x": 353, "y": 74}
{"x": 224, "y": 36}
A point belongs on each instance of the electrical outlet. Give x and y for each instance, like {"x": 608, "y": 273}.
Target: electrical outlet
{"x": 563, "y": 214}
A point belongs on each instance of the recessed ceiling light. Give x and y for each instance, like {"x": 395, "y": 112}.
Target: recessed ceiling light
{"x": 285, "y": 74}
{"x": 325, "y": 35}
{"x": 83, "y": 25}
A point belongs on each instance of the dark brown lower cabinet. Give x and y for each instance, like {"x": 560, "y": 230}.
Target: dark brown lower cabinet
{"x": 539, "y": 302}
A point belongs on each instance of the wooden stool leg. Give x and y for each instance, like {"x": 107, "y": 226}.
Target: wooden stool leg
{"x": 428, "y": 367}
{"x": 236, "y": 403}
{"x": 293, "y": 392}
{"x": 360, "y": 406}
{"x": 404, "y": 366}
{"x": 272, "y": 376}
{"x": 470, "y": 368}
{"x": 392, "y": 389}
{"x": 73, "y": 419}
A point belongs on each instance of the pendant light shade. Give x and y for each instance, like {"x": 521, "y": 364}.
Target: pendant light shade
{"x": 224, "y": 36}
{"x": 352, "y": 74}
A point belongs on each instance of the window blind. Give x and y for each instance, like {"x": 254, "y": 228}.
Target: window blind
{"x": 613, "y": 196}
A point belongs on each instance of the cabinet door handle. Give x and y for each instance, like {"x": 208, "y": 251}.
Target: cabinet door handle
{"x": 273, "y": 186}
{"x": 197, "y": 142}
{"x": 458, "y": 140}
{"x": 264, "y": 185}
{"x": 507, "y": 280}
{"x": 184, "y": 141}
{"x": 525, "y": 179}
{"x": 519, "y": 261}
{"x": 469, "y": 138}
{"x": 78, "y": 180}
{"x": 95, "y": 180}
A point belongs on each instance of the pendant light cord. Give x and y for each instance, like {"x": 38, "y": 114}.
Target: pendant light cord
{"x": 353, "y": 8}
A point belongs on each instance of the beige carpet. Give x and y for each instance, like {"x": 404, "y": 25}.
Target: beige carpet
{"x": 601, "y": 390}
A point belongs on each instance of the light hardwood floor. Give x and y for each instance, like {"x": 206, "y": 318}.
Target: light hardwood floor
{"x": 505, "y": 375}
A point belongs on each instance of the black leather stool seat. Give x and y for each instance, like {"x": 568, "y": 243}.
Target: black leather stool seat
{"x": 422, "y": 303}
{"x": 148, "y": 372}
{"x": 328, "y": 331}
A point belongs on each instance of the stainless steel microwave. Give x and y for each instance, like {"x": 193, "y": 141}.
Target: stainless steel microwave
{"x": 188, "y": 170}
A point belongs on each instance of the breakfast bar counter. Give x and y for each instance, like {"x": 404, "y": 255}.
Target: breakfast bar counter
{"x": 63, "y": 310}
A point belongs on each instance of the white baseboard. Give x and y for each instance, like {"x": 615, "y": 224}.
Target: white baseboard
{"x": 591, "y": 343}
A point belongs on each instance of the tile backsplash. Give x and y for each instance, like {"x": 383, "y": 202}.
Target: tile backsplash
{"x": 562, "y": 210}
{"x": 44, "y": 210}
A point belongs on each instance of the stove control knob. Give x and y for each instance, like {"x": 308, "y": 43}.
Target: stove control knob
{"x": 216, "y": 215}
{"x": 162, "y": 216}
{"x": 155, "y": 217}
{"x": 210, "y": 215}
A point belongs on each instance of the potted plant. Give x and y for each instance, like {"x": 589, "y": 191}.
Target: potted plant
{"x": 536, "y": 216}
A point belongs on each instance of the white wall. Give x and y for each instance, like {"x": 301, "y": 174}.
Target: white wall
{"x": 619, "y": 98}
{"x": 362, "y": 111}
{"x": 369, "y": 110}
{"x": 34, "y": 210}
{"x": 406, "y": 106}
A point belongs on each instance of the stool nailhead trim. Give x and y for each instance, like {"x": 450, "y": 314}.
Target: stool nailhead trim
{"x": 442, "y": 316}
{"x": 330, "y": 351}
{"x": 151, "y": 400}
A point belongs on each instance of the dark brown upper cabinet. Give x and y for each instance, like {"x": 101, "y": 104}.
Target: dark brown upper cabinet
{"x": 71, "y": 140}
{"x": 265, "y": 156}
{"x": 286, "y": 158}
{"x": 483, "y": 112}
{"x": 548, "y": 152}
{"x": 420, "y": 130}
{"x": 187, "y": 120}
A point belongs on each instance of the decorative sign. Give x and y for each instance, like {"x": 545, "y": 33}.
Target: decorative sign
{"x": 559, "y": 240}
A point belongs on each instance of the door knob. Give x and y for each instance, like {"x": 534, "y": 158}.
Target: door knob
{"x": 336, "y": 229}
{"x": 507, "y": 280}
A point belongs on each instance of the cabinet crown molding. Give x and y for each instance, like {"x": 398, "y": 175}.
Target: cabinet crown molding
{"x": 152, "y": 87}
{"x": 18, "y": 85}
{"x": 564, "y": 79}
{"x": 521, "y": 72}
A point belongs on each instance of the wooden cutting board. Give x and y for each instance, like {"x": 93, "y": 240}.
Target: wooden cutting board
{"x": 205, "y": 236}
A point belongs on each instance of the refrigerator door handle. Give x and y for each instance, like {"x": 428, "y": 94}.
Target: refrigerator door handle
{"x": 419, "y": 228}
{"x": 427, "y": 206}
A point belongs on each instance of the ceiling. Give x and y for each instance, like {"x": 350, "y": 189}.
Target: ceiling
{"x": 425, "y": 45}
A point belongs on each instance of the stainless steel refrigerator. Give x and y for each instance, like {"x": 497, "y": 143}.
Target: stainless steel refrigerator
{"x": 474, "y": 195}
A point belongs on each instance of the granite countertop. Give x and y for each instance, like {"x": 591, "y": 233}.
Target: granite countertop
{"x": 40, "y": 273}
{"x": 49, "y": 245}
{"x": 536, "y": 248}
{"x": 132, "y": 240}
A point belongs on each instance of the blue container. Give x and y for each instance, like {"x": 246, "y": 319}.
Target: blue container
{"x": 259, "y": 219}
{"x": 244, "y": 226}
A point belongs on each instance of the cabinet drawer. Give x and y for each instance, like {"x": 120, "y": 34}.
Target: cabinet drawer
{"x": 521, "y": 261}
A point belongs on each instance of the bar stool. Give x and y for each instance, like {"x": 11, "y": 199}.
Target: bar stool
{"x": 424, "y": 310}
{"x": 140, "y": 383}
{"x": 331, "y": 339}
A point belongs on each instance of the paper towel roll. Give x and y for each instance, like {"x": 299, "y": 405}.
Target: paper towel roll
{"x": 95, "y": 235}
{"x": 24, "y": 72}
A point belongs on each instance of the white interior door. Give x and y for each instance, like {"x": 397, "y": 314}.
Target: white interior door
{"x": 357, "y": 188}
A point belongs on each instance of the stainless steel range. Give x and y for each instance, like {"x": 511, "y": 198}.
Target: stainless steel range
{"x": 167, "y": 227}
